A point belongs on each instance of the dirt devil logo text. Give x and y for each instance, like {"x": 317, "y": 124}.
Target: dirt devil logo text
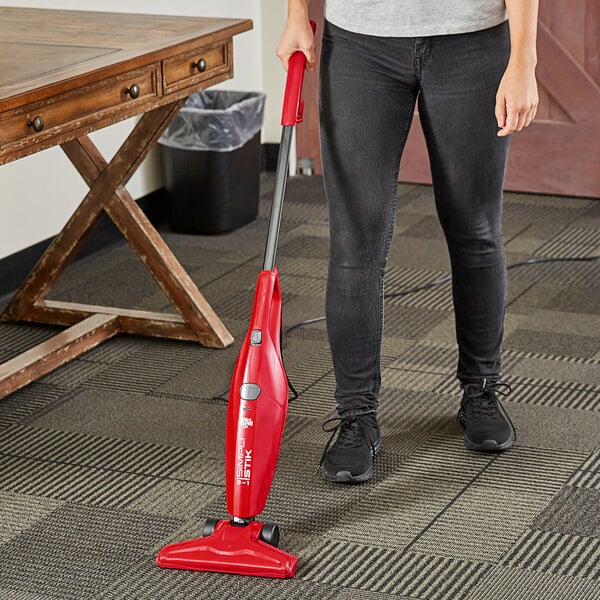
{"x": 243, "y": 466}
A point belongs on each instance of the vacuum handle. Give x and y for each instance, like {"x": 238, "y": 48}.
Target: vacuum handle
{"x": 290, "y": 117}
{"x": 293, "y": 105}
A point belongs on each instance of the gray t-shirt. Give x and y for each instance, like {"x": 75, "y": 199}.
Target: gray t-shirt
{"x": 414, "y": 18}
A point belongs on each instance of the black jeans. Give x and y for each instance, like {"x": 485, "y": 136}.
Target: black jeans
{"x": 368, "y": 89}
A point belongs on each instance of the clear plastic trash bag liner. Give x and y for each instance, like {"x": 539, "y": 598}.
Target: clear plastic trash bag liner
{"x": 216, "y": 121}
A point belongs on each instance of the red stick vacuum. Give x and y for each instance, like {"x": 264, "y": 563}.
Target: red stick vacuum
{"x": 258, "y": 400}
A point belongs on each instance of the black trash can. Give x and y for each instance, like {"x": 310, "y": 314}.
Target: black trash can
{"x": 211, "y": 161}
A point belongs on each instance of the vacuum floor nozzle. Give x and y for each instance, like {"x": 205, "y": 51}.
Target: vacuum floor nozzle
{"x": 231, "y": 548}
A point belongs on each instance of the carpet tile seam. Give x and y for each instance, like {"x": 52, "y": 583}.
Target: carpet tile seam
{"x": 174, "y": 452}
{"x": 448, "y": 505}
{"x": 67, "y": 396}
{"x": 77, "y": 482}
{"x": 40, "y": 462}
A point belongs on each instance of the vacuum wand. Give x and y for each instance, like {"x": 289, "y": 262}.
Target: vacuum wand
{"x": 283, "y": 161}
{"x": 291, "y": 115}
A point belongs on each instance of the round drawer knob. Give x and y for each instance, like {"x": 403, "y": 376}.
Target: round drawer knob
{"x": 133, "y": 91}
{"x": 200, "y": 65}
{"x": 37, "y": 123}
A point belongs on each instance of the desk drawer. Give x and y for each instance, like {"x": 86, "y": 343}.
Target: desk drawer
{"x": 62, "y": 113}
{"x": 202, "y": 64}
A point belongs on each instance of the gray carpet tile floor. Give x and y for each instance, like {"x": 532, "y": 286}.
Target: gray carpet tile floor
{"x": 115, "y": 454}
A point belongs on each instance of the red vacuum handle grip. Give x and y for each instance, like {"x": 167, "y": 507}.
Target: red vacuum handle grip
{"x": 293, "y": 105}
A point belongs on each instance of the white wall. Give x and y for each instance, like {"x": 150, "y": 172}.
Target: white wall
{"x": 39, "y": 193}
{"x": 273, "y": 18}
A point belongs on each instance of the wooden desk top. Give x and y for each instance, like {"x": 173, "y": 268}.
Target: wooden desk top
{"x": 77, "y": 71}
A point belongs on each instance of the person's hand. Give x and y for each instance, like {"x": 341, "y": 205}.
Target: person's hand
{"x": 517, "y": 99}
{"x": 297, "y": 35}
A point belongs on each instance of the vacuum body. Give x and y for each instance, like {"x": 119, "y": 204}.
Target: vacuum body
{"x": 257, "y": 405}
{"x": 257, "y": 409}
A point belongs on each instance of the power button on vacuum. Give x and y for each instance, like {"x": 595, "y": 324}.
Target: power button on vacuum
{"x": 256, "y": 337}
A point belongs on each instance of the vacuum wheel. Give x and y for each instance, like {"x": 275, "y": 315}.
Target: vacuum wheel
{"x": 209, "y": 526}
{"x": 270, "y": 534}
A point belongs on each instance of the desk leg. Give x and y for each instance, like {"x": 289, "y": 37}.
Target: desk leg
{"x": 56, "y": 351}
{"x": 107, "y": 194}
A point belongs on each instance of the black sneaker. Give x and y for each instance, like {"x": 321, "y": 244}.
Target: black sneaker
{"x": 488, "y": 427}
{"x": 350, "y": 458}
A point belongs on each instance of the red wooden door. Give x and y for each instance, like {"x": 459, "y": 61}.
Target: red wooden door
{"x": 560, "y": 152}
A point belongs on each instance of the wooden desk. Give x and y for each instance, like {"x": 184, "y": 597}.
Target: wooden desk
{"x": 64, "y": 74}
